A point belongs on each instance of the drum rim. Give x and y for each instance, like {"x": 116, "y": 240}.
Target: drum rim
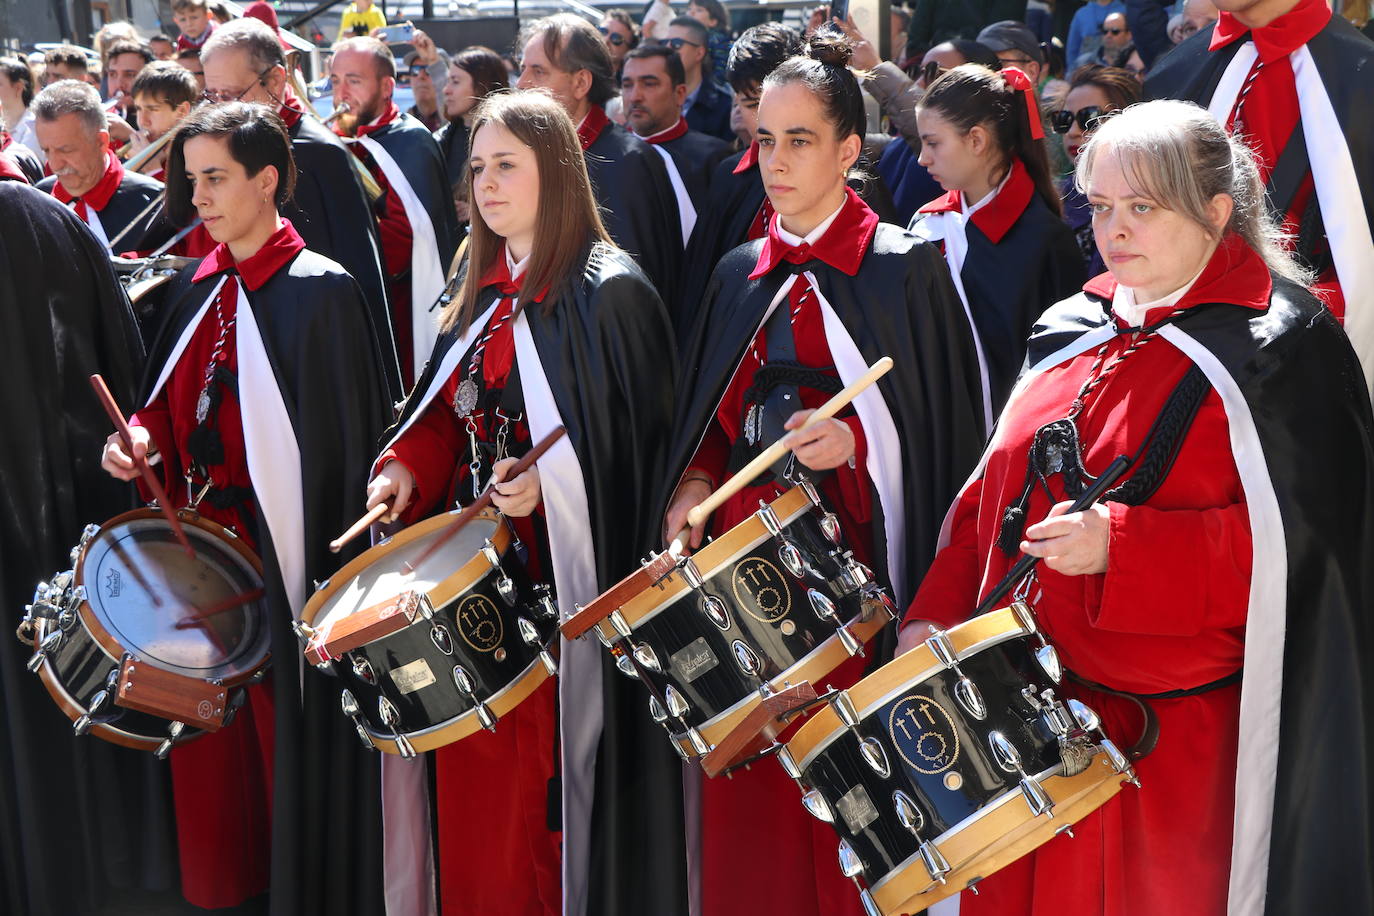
{"x": 870, "y": 693}
{"x": 111, "y": 646}
{"x": 729, "y": 547}
{"x": 450, "y": 731}
{"x": 106, "y": 732}
{"x": 444, "y": 591}
{"x": 141, "y": 287}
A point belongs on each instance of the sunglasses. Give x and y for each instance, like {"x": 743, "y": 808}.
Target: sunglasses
{"x": 1088, "y": 119}
{"x": 614, "y": 38}
{"x": 1112, "y": 31}
{"x": 418, "y": 69}
{"x": 931, "y": 71}
{"x": 677, "y": 43}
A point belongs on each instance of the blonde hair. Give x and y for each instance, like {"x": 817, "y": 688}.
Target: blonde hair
{"x": 1177, "y": 155}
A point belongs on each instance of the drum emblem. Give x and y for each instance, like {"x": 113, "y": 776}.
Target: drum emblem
{"x": 761, "y": 590}
{"x": 113, "y": 584}
{"x": 924, "y": 734}
{"x": 479, "y": 622}
{"x": 205, "y": 709}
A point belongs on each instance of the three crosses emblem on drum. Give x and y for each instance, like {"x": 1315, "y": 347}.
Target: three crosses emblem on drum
{"x": 480, "y": 623}
{"x": 924, "y": 734}
{"x": 761, "y": 590}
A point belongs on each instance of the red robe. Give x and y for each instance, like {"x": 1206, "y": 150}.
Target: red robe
{"x": 759, "y": 809}
{"x": 1168, "y": 614}
{"x": 497, "y": 855}
{"x": 221, "y": 782}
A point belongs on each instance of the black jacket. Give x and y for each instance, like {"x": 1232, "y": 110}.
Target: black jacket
{"x": 710, "y": 112}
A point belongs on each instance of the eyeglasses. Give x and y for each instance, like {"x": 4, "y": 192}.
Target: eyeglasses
{"x": 1088, "y": 119}
{"x": 931, "y": 71}
{"x": 677, "y": 43}
{"x": 1112, "y": 31}
{"x": 1016, "y": 61}
{"x": 229, "y": 95}
{"x": 418, "y": 69}
{"x": 614, "y": 38}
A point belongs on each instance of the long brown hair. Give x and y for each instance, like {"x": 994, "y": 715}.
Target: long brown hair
{"x": 568, "y": 220}
{"x": 972, "y": 94}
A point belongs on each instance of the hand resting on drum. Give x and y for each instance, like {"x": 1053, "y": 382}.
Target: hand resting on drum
{"x": 826, "y": 445}
{"x": 518, "y": 497}
{"x": 692, "y": 491}
{"x": 1071, "y": 543}
{"x": 117, "y": 462}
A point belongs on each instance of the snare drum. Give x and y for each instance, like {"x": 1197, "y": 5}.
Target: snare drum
{"x": 951, "y": 762}
{"x": 431, "y": 656}
{"x": 144, "y": 645}
{"x": 776, "y": 601}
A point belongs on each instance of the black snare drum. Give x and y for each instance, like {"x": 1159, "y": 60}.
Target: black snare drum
{"x": 774, "y": 602}
{"x": 143, "y": 644}
{"x": 951, "y": 762}
{"x": 432, "y": 656}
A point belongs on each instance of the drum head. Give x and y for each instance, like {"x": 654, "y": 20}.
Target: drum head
{"x": 151, "y": 599}
{"x": 383, "y": 576}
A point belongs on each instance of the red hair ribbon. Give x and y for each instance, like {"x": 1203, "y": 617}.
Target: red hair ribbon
{"x": 1018, "y": 80}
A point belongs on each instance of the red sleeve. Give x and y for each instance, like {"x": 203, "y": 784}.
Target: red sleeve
{"x": 156, "y": 418}
{"x": 1173, "y": 572}
{"x": 949, "y": 592}
{"x": 849, "y": 486}
{"x": 713, "y": 455}
{"x": 429, "y": 449}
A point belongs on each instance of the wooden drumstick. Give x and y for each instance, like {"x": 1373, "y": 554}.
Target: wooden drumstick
{"x": 375, "y": 514}
{"x": 765, "y": 459}
{"x": 483, "y": 501}
{"x": 102, "y": 391}
{"x": 214, "y": 610}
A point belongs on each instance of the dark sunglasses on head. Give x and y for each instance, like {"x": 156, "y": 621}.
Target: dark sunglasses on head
{"x": 614, "y": 38}
{"x": 1088, "y": 119}
{"x": 677, "y": 43}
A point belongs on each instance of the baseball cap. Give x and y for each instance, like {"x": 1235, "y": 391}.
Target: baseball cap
{"x": 1010, "y": 35}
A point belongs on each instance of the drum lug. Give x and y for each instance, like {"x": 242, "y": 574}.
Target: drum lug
{"x": 809, "y": 489}
{"x": 830, "y": 527}
{"x": 625, "y": 666}
{"x": 543, "y": 600}
{"x": 677, "y": 705}
{"x": 940, "y": 646}
{"x": 817, "y": 806}
{"x": 349, "y": 704}
{"x": 505, "y": 587}
{"x": 824, "y": 608}
{"x": 1036, "y": 797}
{"x": 656, "y": 710}
{"x": 391, "y": 718}
{"x": 746, "y": 658}
{"x": 908, "y": 815}
{"x": 677, "y": 746}
{"x": 788, "y": 762}
{"x": 173, "y": 733}
{"x": 698, "y": 743}
{"x": 362, "y": 668}
{"x": 691, "y": 574}
{"x": 1048, "y": 660}
{"x": 1119, "y": 761}
{"x": 75, "y": 599}
{"x": 1005, "y": 753}
{"x": 88, "y": 534}
{"x": 99, "y": 701}
{"x": 529, "y": 634}
{"x": 871, "y": 750}
{"x": 855, "y": 575}
{"x": 851, "y": 866}
{"x": 617, "y": 620}
{"x": 970, "y": 698}
{"x": 50, "y": 644}
{"x": 715, "y": 611}
{"x": 934, "y": 861}
{"x": 844, "y": 710}
{"x": 440, "y": 636}
{"x": 1025, "y": 617}
{"x": 875, "y": 598}
{"x": 790, "y": 555}
{"x": 463, "y": 681}
{"x": 870, "y": 906}
{"x": 769, "y": 519}
{"x": 647, "y": 658}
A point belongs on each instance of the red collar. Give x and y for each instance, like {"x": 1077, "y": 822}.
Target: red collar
{"x": 749, "y": 159}
{"x": 498, "y": 274}
{"x": 291, "y": 109}
{"x": 592, "y": 126}
{"x": 1236, "y": 275}
{"x": 97, "y": 197}
{"x": 10, "y": 171}
{"x": 1279, "y": 38}
{"x": 995, "y": 218}
{"x": 842, "y": 246}
{"x": 672, "y": 133}
{"x": 391, "y": 114}
{"x": 257, "y": 269}
{"x": 5, "y": 139}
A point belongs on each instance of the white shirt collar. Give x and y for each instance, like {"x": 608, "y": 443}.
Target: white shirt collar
{"x": 516, "y": 268}
{"x": 1133, "y": 313}
{"x": 963, "y": 198}
{"x": 814, "y": 235}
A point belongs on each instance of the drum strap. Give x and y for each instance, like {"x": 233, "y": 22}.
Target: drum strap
{"x": 1149, "y": 734}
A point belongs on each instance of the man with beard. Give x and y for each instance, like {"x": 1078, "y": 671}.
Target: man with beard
{"x": 1280, "y": 72}
{"x": 565, "y": 55}
{"x": 653, "y": 85}
{"x": 243, "y": 60}
{"x": 122, "y": 66}
{"x": 120, "y": 207}
{"x": 415, "y": 214}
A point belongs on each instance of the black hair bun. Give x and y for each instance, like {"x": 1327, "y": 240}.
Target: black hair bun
{"x": 830, "y": 46}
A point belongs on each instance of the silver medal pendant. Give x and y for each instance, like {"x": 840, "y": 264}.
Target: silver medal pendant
{"x": 203, "y": 404}
{"x": 465, "y": 397}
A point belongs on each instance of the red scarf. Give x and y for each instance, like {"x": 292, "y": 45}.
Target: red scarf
{"x": 259, "y": 267}
{"x": 391, "y": 114}
{"x": 842, "y": 245}
{"x": 996, "y": 217}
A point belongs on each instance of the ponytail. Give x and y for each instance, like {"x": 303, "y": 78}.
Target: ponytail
{"x": 1005, "y": 104}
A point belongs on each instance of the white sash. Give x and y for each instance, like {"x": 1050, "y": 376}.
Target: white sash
{"x": 687, "y": 214}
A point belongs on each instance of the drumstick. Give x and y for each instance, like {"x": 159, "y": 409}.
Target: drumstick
{"x": 102, "y": 391}
{"x": 1027, "y": 562}
{"x": 215, "y": 610}
{"x": 483, "y": 501}
{"x": 770, "y": 455}
{"x": 375, "y": 514}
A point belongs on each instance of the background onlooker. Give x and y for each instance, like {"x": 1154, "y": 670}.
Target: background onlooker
{"x": 1085, "y": 31}
{"x": 716, "y": 18}
{"x": 1040, "y": 19}
{"x": 123, "y": 61}
{"x": 193, "y": 19}
{"x": 65, "y": 62}
{"x": 707, "y": 108}
{"x": 164, "y": 93}
{"x": 899, "y": 21}
{"x": 1116, "y": 34}
{"x": 473, "y": 74}
{"x": 189, "y": 58}
{"x": 360, "y": 18}
{"x": 163, "y": 48}
{"x": 16, "y": 95}
{"x": 1094, "y": 93}
{"x": 621, "y": 35}
{"x": 653, "y": 24}
{"x": 422, "y": 86}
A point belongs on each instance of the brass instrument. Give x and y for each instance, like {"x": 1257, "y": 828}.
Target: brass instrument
{"x": 293, "y": 76}
{"x": 136, "y": 162}
{"x": 337, "y": 113}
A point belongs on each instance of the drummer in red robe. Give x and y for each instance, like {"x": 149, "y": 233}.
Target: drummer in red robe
{"x": 1234, "y": 544}
{"x": 261, "y": 404}
{"x": 787, "y": 321}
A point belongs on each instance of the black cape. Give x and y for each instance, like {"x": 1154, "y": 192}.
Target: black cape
{"x": 1192, "y": 72}
{"x": 27, "y": 161}
{"x": 62, "y": 798}
{"x": 1293, "y": 390}
{"x": 638, "y": 206}
{"x": 130, "y": 199}
{"x": 1010, "y": 283}
{"x": 606, "y": 349}
{"x": 710, "y": 112}
{"x": 412, "y": 146}
{"x": 331, "y": 212}
{"x": 696, "y": 156}
{"x": 732, "y": 203}
{"x": 326, "y": 819}
{"x": 934, "y": 390}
